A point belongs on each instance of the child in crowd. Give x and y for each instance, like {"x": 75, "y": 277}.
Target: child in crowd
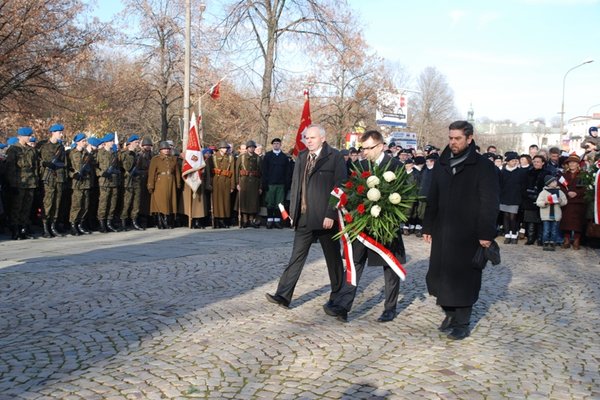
{"x": 550, "y": 199}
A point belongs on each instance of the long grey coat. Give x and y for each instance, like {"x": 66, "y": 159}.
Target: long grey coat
{"x": 461, "y": 210}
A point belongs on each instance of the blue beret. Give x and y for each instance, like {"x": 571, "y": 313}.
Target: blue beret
{"x": 2, "y": 145}
{"x": 32, "y": 139}
{"x": 79, "y": 137}
{"x": 132, "y": 138}
{"x": 73, "y": 145}
{"x": 25, "y": 131}
{"x": 109, "y": 137}
{"x": 206, "y": 151}
{"x": 12, "y": 140}
{"x": 95, "y": 141}
{"x": 56, "y": 128}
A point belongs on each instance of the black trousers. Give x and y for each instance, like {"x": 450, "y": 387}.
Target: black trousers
{"x": 303, "y": 239}
{"x": 348, "y": 292}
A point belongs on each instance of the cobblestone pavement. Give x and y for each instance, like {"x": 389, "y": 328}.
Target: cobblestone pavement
{"x": 182, "y": 314}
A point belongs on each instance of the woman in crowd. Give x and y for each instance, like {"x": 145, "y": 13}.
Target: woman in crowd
{"x": 573, "y": 218}
{"x": 511, "y": 188}
{"x": 534, "y": 183}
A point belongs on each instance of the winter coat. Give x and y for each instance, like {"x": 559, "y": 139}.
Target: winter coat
{"x": 461, "y": 210}
{"x": 512, "y": 184}
{"x": 534, "y": 183}
{"x": 574, "y": 212}
{"x": 548, "y": 211}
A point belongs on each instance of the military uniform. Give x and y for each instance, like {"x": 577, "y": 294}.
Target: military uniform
{"x": 54, "y": 177}
{"x": 109, "y": 177}
{"x": 164, "y": 180}
{"x": 22, "y": 177}
{"x": 248, "y": 174}
{"x": 132, "y": 187}
{"x": 81, "y": 173}
{"x": 143, "y": 162}
{"x": 223, "y": 183}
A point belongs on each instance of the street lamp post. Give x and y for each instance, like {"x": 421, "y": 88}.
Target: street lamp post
{"x": 562, "y": 107}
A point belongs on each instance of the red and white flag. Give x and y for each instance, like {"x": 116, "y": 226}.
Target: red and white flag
{"x": 284, "y": 213}
{"x": 215, "y": 91}
{"x": 305, "y": 121}
{"x": 563, "y": 181}
{"x": 597, "y": 195}
{"x": 193, "y": 161}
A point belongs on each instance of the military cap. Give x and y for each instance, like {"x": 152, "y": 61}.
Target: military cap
{"x": 12, "y": 140}
{"x": 2, "y": 146}
{"x": 222, "y": 145}
{"x": 109, "y": 137}
{"x": 345, "y": 152}
{"x": 419, "y": 160}
{"x": 79, "y": 137}
{"x": 353, "y": 150}
{"x": 25, "y": 131}
{"x": 207, "y": 151}
{"x": 251, "y": 143}
{"x": 498, "y": 157}
{"x": 164, "y": 145}
{"x": 94, "y": 141}
{"x": 146, "y": 141}
{"x": 409, "y": 161}
{"x": 276, "y": 140}
{"x": 56, "y": 128}
{"x": 392, "y": 144}
{"x": 432, "y": 156}
{"x": 133, "y": 138}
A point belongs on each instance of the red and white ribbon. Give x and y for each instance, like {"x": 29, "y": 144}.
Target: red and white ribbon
{"x": 366, "y": 240}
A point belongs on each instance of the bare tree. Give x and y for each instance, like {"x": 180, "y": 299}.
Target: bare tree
{"x": 39, "y": 43}
{"x": 263, "y": 24}
{"x": 433, "y": 108}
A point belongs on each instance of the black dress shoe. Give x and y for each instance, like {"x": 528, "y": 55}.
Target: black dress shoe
{"x": 447, "y": 324}
{"x": 269, "y": 224}
{"x": 277, "y": 299}
{"x": 335, "y": 311}
{"x": 459, "y": 333}
{"x": 278, "y": 225}
{"x": 387, "y": 316}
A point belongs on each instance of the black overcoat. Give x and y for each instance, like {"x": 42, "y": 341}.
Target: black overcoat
{"x": 329, "y": 172}
{"x": 461, "y": 210}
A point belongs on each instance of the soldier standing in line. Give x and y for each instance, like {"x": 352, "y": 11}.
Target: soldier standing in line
{"x": 54, "y": 176}
{"x": 109, "y": 176}
{"x": 144, "y": 158}
{"x": 81, "y": 170}
{"x": 164, "y": 180}
{"x": 247, "y": 172}
{"x": 130, "y": 160}
{"x": 22, "y": 177}
{"x": 223, "y": 184}
{"x": 93, "y": 145}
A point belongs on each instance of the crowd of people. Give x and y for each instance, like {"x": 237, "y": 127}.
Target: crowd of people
{"x": 92, "y": 184}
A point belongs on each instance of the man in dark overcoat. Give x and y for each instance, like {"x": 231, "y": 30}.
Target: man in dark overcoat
{"x": 318, "y": 170}
{"x": 462, "y": 206}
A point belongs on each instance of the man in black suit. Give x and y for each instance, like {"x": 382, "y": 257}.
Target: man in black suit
{"x": 317, "y": 172}
{"x": 372, "y": 145}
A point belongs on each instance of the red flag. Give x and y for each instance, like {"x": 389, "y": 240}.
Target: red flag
{"x": 215, "y": 91}
{"x": 193, "y": 161}
{"x": 304, "y": 123}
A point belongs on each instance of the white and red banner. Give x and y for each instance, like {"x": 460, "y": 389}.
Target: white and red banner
{"x": 305, "y": 121}
{"x": 193, "y": 161}
{"x": 597, "y": 195}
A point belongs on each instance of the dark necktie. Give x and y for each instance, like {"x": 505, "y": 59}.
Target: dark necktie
{"x": 310, "y": 164}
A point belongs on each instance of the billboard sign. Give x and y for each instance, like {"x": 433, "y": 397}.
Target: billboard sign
{"x": 392, "y": 110}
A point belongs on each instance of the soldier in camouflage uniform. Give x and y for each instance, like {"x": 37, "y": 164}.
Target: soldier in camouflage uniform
{"x": 22, "y": 177}
{"x": 247, "y": 171}
{"x": 54, "y": 176}
{"x": 130, "y": 161}
{"x": 81, "y": 170}
{"x": 108, "y": 171}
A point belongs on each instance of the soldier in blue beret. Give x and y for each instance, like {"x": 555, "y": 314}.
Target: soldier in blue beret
{"x": 3, "y": 146}
{"x": 12, "y": 141}
{"x": 54, "y": 175}
{"x": 22, "y": 177}
{"x": 94, "y": 142}
{"x": 109, "y": 178}
{"x": 130, "y": 159}
{"x": 81, "y": 171}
